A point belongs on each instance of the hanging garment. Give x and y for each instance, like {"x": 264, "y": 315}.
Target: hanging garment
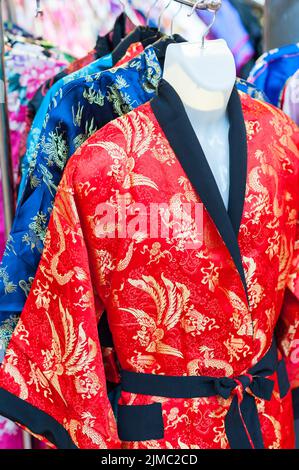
{"x": 191, "y": 309}
{"x": 104, "y": 46}
{"x": 273, "y": 69}
{"x": 97, "y": 66}
{"x": 130, "y": 47}
{"x": 74, "y": 116}
{"x": 26, "y": 68}
{"x": 290, "y": 97}
{"x": 193, "y": 27}
{"x": 251, "y": 90}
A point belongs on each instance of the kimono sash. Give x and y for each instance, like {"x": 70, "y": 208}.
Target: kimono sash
{"x": 242, "y": 424}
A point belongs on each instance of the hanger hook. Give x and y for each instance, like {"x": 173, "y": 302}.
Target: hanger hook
{"x": 208, "y": 29}
{"x": 212, "y": 6}
{"x": 123, "y": 4}
{"x": 173, "y": 19}
{"x": 148, "y": 16}
{"x": 126, "y": 9}
{"x": 162, "y": 13}
{"x": 39, "y": 10}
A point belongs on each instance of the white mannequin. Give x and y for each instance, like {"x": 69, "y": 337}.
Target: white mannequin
{"x": 204, "y": 78}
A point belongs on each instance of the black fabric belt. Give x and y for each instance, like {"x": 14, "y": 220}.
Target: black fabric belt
{"x": 242, "y": 424}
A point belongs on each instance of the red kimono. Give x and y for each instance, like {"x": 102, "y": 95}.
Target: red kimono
{"x": 202, "y": 302}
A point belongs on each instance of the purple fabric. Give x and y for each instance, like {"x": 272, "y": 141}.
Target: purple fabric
{"x": 228, "y": 25}
{"x": 10, "y": 435}
{"x": 290, "y": 103}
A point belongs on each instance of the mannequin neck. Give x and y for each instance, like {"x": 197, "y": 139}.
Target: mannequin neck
{"x": 209, "y": 108}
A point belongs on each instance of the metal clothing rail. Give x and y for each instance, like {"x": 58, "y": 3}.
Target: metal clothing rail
{"x": 212, "y": 5}
{"x": 5, "y": 149}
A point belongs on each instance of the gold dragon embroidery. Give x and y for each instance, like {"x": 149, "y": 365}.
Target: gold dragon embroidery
{"x": 87, "y": 428}
{"x": 277, "y": 432}
{"x": 208, "y": 361}
{"x": 254, "y": 289}
{"x": 70, "y": 355}
{"x": 10, "y": 367}
{"x": 172, "y": 301}
{"x": 138, "y": 131}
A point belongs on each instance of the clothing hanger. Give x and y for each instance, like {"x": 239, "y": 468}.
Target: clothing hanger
{"x": 39, "y": 10}
{"x": 203, "y": 75}
{"x": 173, "y": 20}
{"x": 209, "y": 27}
{"x": 39, "y": 14}
{"x": 162, "y": 14}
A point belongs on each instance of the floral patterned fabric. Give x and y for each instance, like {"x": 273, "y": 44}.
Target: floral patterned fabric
{"x": 56, "y": 90}
{"x": 27, "y": 67}
{"x": 74, "y": 116}
{"x": 198, "y": 302}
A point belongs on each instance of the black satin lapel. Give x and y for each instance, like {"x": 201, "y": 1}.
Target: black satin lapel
{"x": 238, "y": 161}
{"x": 172, "y": 117}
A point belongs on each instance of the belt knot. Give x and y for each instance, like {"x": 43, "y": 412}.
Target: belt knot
{"x": 227, "y": 386}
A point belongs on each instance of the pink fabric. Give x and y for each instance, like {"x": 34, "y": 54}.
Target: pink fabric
{"x": 10, "y": 435}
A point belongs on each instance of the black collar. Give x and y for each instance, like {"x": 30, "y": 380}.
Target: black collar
{"x": 106, "y": 44}
{"x": 143, "y": 34}
{"x": 173, "y": 119}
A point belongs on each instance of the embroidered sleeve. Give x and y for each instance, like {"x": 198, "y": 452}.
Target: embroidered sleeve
{"x": 52, "y": 378}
